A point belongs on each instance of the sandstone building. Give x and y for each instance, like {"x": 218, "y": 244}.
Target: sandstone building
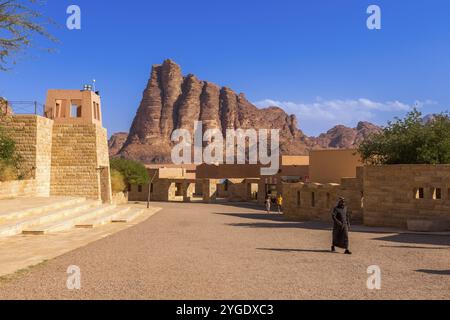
{"x": 414, "y": 197}
{"x": 65, "y": 152}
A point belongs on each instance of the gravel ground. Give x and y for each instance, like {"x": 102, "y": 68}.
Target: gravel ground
{"x": 199, "y": 251}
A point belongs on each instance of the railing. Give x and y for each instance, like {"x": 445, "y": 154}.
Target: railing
{"x": 26, "y": 107}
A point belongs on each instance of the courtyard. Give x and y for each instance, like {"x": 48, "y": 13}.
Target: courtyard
{"x": 236, "y": 251}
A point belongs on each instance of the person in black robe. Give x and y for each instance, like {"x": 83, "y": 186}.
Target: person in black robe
{"x": 341, "y": 225}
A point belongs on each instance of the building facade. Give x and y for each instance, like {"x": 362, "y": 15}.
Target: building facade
{"x": 64, "y": 153}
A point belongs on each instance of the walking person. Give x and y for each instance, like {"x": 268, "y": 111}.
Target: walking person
{"x": 280, "y": 203}
{"x": 268, "y": 203}
{"x": 341, "y": 225}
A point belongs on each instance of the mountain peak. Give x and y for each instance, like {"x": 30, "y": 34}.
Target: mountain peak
{"x": 173, "y": 101}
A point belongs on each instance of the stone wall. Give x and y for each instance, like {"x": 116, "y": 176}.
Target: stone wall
{"x": 163, "y": 190}
{"x": 314, "y": 201}
{"x": 33, "y": 138}
{"x": 21, "y": 188}
{"x": 43, "y": 156}
{"x": 119, "y": 198}
{"x": 79, "y": 161}
{"x": 64, "y": 159}
{"x": 396, "y": 194}
{"x": 103, "y": 162}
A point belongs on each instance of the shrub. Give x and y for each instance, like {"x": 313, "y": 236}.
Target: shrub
{"x": 117, "y": 181}
{"x": 7, "y": 172}
{"x": 133, "y": 172}
{"x": 9, "y": 159}
{"x": 7, "y": 146}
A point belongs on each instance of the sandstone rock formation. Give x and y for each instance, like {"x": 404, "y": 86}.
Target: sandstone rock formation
{"x": 116, "y": 142}
{"x": 172, "y": 101}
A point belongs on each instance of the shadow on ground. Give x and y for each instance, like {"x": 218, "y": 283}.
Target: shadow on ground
{"x": 280, "y": 221}
{"x": 414, "y": 238}
{"x": 416, "y": 247}
{"x": 296, "y": 250}
{"x": 436, "y": 272}
{"x": 269, "y": 221}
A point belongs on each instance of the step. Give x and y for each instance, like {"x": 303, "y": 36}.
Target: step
{"x": 103, "y": 219}
{"x": 132, "y": 214}
{"x": 57, "y": 204}
{"x": 17, "y": 227}
{"x": 69, "y": 222}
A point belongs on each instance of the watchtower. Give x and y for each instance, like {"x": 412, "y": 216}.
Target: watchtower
{"x": 80, "y": 157}
{"x": 74, "y": 106}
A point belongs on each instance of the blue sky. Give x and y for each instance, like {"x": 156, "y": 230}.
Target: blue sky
{"x": 317, "y": 59}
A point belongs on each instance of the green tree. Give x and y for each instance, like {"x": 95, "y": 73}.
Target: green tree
{"x": 410, "y": 141}
{"x": 19, "y": 22}
{"x": 133, "y": 172}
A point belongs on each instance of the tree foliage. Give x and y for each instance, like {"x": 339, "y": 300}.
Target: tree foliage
{"x": 410, "y": 141}
{"x": 133, "y": 172}
{"x": 19, "y": 22}
{"x": 9, "y": 159}
{"x": 117, "y": 181}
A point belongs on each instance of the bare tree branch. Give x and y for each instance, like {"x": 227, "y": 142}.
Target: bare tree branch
{"x": 19, "y": 22}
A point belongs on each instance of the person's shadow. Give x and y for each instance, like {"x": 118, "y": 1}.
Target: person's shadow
{"x": 435, "y": 272}
{"x": 295, "y": 250}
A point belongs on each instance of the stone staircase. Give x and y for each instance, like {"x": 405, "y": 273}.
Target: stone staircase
{"x": 37, "y": 216}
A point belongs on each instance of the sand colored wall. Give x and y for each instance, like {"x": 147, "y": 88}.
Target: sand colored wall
{"x": 119, "y": 198}
{"x": 330, "y": 166}
{"x": 33, "y": 138}
{"x": 89, "y": 102}
{"x": 66, "y": 156}
{"x": 314, "y": 201}
{"x": 163, "y": 190}
{"x": 209, "y": 190}
{"x": 295, "y": 160}
{"x": 80, "y": 163}
{"x": 22, "y": 188}
{"x": 390, "y": 194}
{"x": 44, "y": 147}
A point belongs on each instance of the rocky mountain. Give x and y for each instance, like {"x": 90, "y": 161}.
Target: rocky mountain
{"x": 116, "y": 142}
{"x": 172, "y": 101}
{"x": 342, "y": 137}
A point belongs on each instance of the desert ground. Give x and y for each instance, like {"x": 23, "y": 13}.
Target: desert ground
{"x": 234, "y": 251}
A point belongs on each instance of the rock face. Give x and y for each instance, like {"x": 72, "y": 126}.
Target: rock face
{"x": 171, "y": 101}
{"x": 116, "y": 142}
{"x": 342, "y": 137}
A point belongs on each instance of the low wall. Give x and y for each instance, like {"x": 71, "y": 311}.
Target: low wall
{"x": 119, "y": 198}
{"x": 314, "y": 201}
{"x": 20, "y": 188}
{"x": 398, "y": 193}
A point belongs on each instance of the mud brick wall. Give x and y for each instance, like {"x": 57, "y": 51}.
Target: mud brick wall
{"x": 392, "y": 194}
